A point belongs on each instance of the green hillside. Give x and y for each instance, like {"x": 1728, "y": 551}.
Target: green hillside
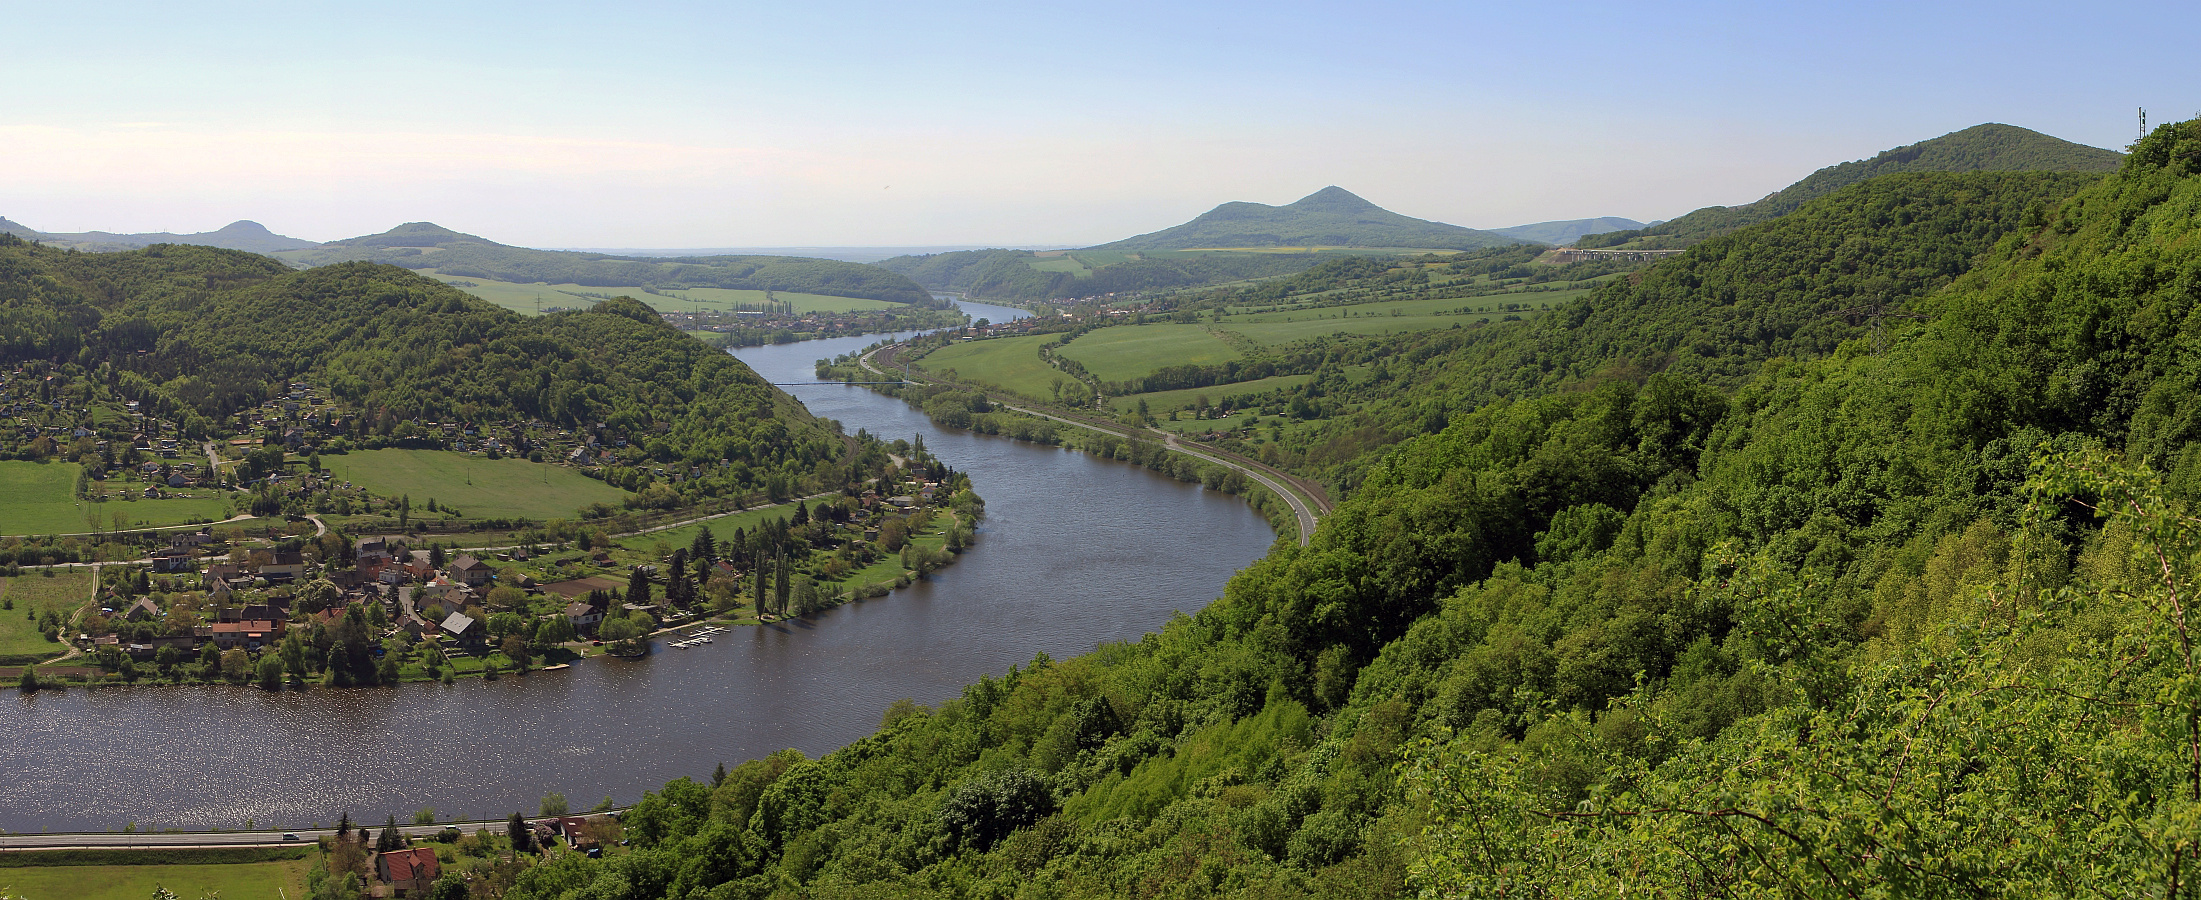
{"x": 1980, "y": 148}
{"x": 422, "y": 245}
{"x": 202, "y": 336}
{"x": 1900, "y": 620}
{"x": 1331, "y": 217}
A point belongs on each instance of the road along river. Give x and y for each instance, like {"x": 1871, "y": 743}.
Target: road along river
{"x": 1075, "y": 551}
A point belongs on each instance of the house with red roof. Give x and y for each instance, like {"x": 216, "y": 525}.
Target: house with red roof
{"x": 411, "y": 871}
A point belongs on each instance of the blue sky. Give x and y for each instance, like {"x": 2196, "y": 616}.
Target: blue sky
{"x": 859, "y": 123}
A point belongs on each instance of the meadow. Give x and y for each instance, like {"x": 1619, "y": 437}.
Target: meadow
{"x": 20, "y": 641}
{"x": 233, "y": 881}
{"x": 479, "y": 487}
{"x": 1009, "y": 363}
{"x": 1125, "y": 352}
{"x": 722, "y": 528}
{"x": 1159, "y": 401}
{"x": 522, "y": 298}
{"x": 40, "y": 498}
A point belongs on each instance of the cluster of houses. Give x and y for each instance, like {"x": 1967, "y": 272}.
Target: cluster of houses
{"x": 406, "y": 585}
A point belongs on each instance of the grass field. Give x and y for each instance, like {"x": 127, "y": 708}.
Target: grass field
{"x": 1167, "y": 400}
{"x": 237, "y": 881}
{"x": 522, "y": 297}
{"x": 19, "y": 637}
{"x": 40, "y": 498}
{"x": 1011, "y": 363}
{"x": 722, "y": 528}
{"x": 477, "y": 486}
{"x": 1126, "y": 352}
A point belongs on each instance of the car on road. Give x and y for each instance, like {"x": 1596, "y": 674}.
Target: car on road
{"x": 290, "y": 836}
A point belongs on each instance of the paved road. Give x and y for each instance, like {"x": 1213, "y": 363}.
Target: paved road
{"x": 1302, "y": 510}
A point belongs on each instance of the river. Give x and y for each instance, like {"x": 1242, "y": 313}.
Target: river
{"x": 1075, "y": 551}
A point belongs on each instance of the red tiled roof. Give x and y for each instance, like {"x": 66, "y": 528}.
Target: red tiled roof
{"x": 417, "y": 864}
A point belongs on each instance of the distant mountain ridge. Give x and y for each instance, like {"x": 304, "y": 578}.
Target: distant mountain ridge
{"x": 1331, "y": 217}
{"x": 243, "y": 234}
{"x": 426, "y": 245}
{"x": 1992, "y": 147}
{"x": 1566, "y": 230}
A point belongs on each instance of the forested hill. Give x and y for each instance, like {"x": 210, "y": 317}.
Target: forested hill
{"x": 423, "y": 245}
{"x": 1854, "y": 626}
{"x": 1980, "y": 148}
{"x": 198, "y": 333}
{"x": 1332, "y": 217}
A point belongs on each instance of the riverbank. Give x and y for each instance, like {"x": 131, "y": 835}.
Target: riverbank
{"x": 1292, "y": 505}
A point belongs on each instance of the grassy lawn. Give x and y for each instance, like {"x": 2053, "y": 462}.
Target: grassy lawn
{"x": 40, "y": 498}
{"x": 478, "y": 487}
{"x": 522, "y": 297}
{"x": 31, "y": 594}
{"x": 1011, "y": 363}
{"x": 1126, "y": 352}
{"x": 721, "y": 528}
{"x": 1167, "y": 400}
{"x": 236, "y": 881}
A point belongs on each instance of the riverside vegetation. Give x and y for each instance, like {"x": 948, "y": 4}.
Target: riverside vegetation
{"x": 1896, "y": 614}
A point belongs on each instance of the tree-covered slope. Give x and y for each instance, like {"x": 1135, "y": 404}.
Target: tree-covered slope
{"x": 423, "y": 245}
{"x": 1797, "y": 286}
{"x": 206, "y": 332}
{"x": 1332, "y": 217}
{"x": 1980, "y": 148}
{"x": 1850, "y": 627}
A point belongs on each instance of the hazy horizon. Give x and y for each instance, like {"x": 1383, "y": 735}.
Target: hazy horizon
{"x": 860, "y": 125}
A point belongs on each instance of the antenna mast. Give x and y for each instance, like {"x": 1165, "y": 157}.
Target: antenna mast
{"x": 2143, "y": 123}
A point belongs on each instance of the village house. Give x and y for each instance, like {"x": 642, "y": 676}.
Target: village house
{"x": 462, "y": 628}
{"x": 408, "y": 872}
{"x": 252, "y": 634}
{"x": 470, "y": 571}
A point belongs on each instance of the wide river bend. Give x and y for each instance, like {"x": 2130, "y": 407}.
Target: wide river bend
{"x": 1075, "y": 551}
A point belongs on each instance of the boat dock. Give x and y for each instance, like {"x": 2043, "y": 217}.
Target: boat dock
{"x": 695, "y": 638}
